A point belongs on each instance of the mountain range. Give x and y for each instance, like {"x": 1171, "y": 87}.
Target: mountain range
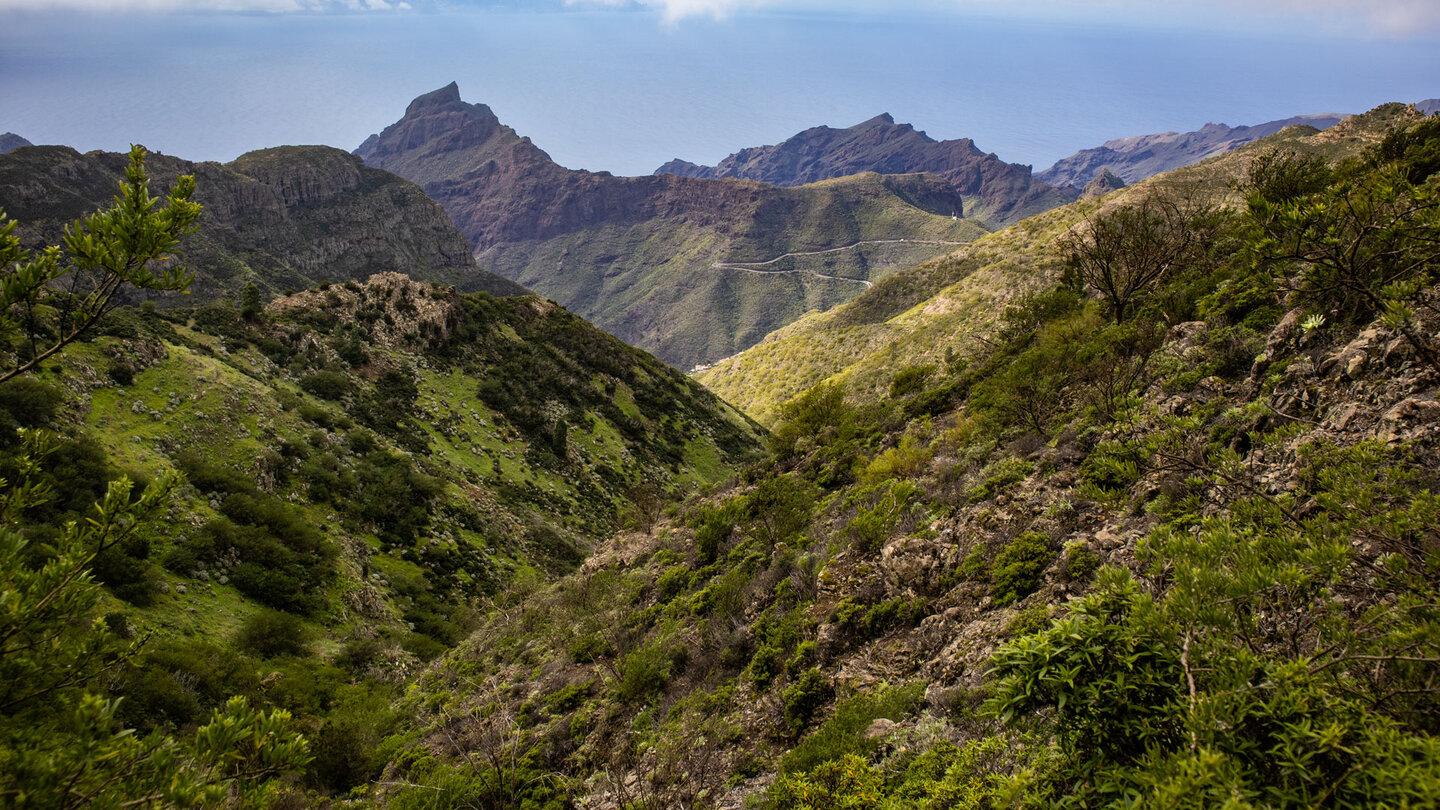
{"x": 979, "y": 536}
{"x": 691, "y": 269}
{"x": 1135, "y": 158}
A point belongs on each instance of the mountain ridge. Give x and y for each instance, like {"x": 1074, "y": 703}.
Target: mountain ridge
{"x": 1137, "y": 157}
{"x": 638, "y": 256}
{"x": 999, "y": 192}
{"x": 285, "y": 218}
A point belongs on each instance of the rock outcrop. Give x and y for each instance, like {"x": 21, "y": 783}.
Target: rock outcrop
{"x": 1104, "y": 183}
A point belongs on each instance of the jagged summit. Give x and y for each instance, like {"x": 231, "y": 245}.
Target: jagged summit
{"x": 646, "y": 257}
{"x": 1104, "y": 183}
{"x": 436, "y": 123}
{"x": 883, "y": 119}
{"x": 446, "y": 97}
{"x": 1001, "y": 192}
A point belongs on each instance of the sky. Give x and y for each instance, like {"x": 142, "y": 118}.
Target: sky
{"x": 625, "y": 85}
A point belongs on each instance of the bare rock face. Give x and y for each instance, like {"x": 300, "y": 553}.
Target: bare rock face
{"x": 1104, "y": 183}
{"x": 1002, "y": 192}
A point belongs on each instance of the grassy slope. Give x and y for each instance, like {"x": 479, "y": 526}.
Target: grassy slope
{"x": 655, "y": 283}
{"x": 948, "y": 303}
{"x": 209, "y": 390}
{"x": 691, "y": 665}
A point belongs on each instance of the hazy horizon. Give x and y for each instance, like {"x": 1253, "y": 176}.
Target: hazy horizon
{"x": 625, "y": 91}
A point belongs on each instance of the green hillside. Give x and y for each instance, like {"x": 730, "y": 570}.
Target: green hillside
{"x": 1133, "y": 504}
{"x": 693, "y": 292}
{"x": 1177, "y": 552}
{"x": 948, "y": 306}
{"x": 366, "y": 466}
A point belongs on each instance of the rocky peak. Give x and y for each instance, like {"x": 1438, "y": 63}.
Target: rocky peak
{"x": 435, "y": 123}
{"x": 883, "y": 119}
{"x": 1104, "y": 183}
{"x": 447, "y": 97}
{"x": 1001, "y": 192}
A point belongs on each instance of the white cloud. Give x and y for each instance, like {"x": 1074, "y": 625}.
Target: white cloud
{"x": 1389, "y": 18}
{"x": 1401, "y": 18}
{"x": 267, "y": 6}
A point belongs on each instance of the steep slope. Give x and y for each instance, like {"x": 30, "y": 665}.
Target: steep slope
{"x": 995, "y": 191}
{"x": 1170, "y": 560}
{"x": 678, "y": 266}
{"x": 9, "y": 142}
{"x": 948, "y": 305}
{"x": 1429, "y": 106}
{"x": 367, "y": 464}
{"x": 284, "y": 218}
{"x": 1140, "y": 156}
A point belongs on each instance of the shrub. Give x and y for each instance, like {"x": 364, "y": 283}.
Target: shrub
{"x": 998, "y": 475}
{"x": 672, "y": 583}
{"x": 1080, "y": 562}
{"x": 330, "y": 385}
{"x": 906, "y": 460}
{"x": 643, "y": 673}
{"x": 844, "y": 732}
{"x": 910, "y": 380}
{"x": 26, "y": 402}
{"x": 270, "y": 634}
{"x": 803, "y": 698}
{"x": 1019, "y": 567}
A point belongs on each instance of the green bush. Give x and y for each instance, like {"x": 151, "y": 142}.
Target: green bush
{"x": 26, "y": 402}
{"x": 1080, "y": 562}
{"x": 270, "y": 634}
{"x": 806, "y": 696}
{"x": 331, "y": 385}
{"x": 644, "y": 673}
{"x": 1019, "y": 567}
{"x": 910, "y": 380}
{"x": 844, "y": 732}
{"x": 998, "y": 475}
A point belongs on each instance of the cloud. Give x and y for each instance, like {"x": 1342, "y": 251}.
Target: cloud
{"x": 1387, "y": 18}
{"x": 1395, "y": 18}
{"x": 244, "y": 6}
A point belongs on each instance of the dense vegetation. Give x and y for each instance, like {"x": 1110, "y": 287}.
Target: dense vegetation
{"x": 1242, "y": 511}
{"x": 1162, "y": 534}
{"x": 336, "y": 485}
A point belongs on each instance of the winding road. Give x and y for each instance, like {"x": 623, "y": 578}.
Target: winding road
{"x": 756, "y": 267}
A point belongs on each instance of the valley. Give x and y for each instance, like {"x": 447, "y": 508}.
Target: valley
{"x": 1116, "y": 488}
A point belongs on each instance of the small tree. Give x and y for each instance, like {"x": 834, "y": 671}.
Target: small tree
{"x": 1125, "y": 253}
{"x": 49, "y": 298}
{"x": 250, "y": 303}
